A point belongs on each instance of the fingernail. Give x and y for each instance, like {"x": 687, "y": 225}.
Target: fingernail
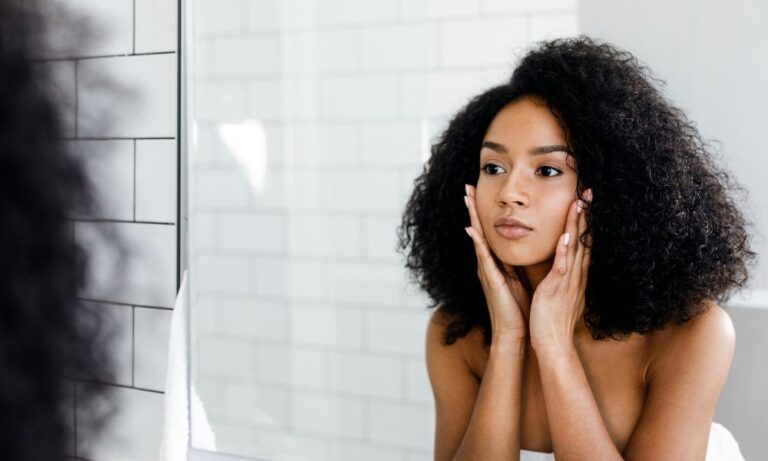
{"x": 466, "y": 189}
{"x": 466, "y": 229}
{"x": 466, "y": 201}
{"x": 567, "y": 238}
{"x": 579, "y": 206}
{"x": 589, "y": 195}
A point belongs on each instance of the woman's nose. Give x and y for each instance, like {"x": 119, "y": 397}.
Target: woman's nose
{"x": 515, "y": 189}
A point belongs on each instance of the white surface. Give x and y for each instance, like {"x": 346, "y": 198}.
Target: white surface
{"x": 156, "y": 25}
{"x": 155, "y": 189}
{"x": 151, "y": 347}
{"x": 147, "y": 103}
{"x": 109, "y": 165}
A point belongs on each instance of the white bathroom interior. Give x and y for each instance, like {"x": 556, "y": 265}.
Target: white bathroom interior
{"x": 268, "y": 156}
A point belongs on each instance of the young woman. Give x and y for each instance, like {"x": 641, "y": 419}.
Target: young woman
{"x": 580, "y": 318}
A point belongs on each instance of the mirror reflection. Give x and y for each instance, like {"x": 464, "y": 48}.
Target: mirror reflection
{"x": 429, "y": 230}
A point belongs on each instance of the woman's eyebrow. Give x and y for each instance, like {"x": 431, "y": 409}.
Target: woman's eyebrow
{"x": 533, "y": 151}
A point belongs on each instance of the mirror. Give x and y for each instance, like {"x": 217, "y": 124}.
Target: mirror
{"x": 308, "y": 122}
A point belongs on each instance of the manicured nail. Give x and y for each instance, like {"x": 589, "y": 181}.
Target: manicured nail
{"x": 567, "y": 238}
{"x": 466, "y": 229}
{"x": 579, "y": 206}
{"x": 589, "y": 195}
{"x": 466, "y": 201}
{"x": 466, "y": 188}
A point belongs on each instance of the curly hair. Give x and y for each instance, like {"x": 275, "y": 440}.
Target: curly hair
{"x": 666, "y": 232}
{"x": 54, "y": 346}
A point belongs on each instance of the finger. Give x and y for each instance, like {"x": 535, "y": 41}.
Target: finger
{"x": 578, "y": 267}
{"x": 572, "y": 228}
{"x": 561, "y": 254}
{"x": 485, "y": 260}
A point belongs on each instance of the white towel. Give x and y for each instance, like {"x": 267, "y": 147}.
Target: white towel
{"x": 176, "y": 433}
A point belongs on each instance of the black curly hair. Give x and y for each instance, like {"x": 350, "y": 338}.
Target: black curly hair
{"x": 667, "y": 234}
{"x": 50, "y": 339}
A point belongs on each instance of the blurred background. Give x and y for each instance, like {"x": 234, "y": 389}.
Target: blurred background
{"x": 269, "y": 151}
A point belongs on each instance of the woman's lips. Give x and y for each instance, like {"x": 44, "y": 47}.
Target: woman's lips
{"x": 512, "y": 232}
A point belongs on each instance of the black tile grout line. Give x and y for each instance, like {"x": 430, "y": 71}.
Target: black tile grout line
{"x": 134, "y": 180}
{"x": 122, "y": 386}
{"x": 101, "y": 56}
{"x": 76, "y": 101}
{"x": 133, "y": 345}
{"x": 119, "y": 138}
{"x": 121, "y": 303}
{"x": 74, "y": 383}
{"x": 133, "y": 44}
{"x": 122, "y": 221}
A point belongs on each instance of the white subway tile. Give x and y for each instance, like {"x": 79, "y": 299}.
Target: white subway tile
{"x": 112, "y": 23}
{"x": 63, "y": 87}
{"x": 261, "y": 15}
{"x": 393, "y": 143}
{"x": 224, "y": 358}
{"x": 109, "y": 165}
{"x": 415, "y": 454}
{"x": 253, "y": 318}
{"x": 403, "y": 424}
{"x": 267, "y": 443}
{"x": 410, "y": 329}
{"x": 321, "y": 143}
{"x": 437, "y": 9}
{"x": 203, "y": 231}
{"x": 328, "y": 414}
{"x": 147, "y": 275}
{"x": 364, "y": 374}
{"x": 362, "y": 190}
{"x": 326, "y": 325}
{"x": 380, "y": 237}
{"x": 142, "y": 87}
{"x": 291, "y": 365}
{"x": 351, "y": 450}
{"x": 301, "y": 98}
{"x": 303, "y": 189}
{"x": 133, "y": 433}
{"x": 204, "y": 319}
{"x": 221, "y": 101}
{"x": 156, "y": 25}
{"x": 118, "y": 324}
{"x": 365, "y": 283}
{"x": 156, "y": 180}
{"x": 246, "y": 55}
{"x": 418, "y": 385}
{"x": 547, "y": 26}
{"x": 259, "y": 405}
{"x": 219, "y": 16}
{"x": 220, "y": 188}
{"x": 356, "y": 12}
{"x": 272, "y": 276}
{"x": 266, "y": 99}
{"x": 525, "y": 6}
{"x": 210, "y": 391}
{"x": 221, "y": 272}
{"x": 435, "y": 94}
{"x": 500, "y": 37}
{"x": 253, "y": 231}
{"x": 367, "y": 96}
{"x": 398, "y": 46}
{"x": 323, "y": 235}
{"x": 153, "y": 327}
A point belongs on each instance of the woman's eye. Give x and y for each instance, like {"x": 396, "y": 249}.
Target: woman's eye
{"x": 550, "y": 169}
{"x": 485, "y": 168}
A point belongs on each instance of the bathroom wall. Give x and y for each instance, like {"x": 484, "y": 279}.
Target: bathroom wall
{"x": 311, "y": 120}
{"x": 132, "y": 160}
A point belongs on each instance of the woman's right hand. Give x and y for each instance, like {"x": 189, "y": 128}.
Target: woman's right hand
{"x": 504, "y": 292}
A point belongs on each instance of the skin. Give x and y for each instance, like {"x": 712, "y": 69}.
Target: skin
{"x": 645, "y": 399}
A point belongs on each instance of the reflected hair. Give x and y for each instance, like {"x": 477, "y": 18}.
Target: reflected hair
{"x": 667, "y": 235}
{"x": 54, "y": 346}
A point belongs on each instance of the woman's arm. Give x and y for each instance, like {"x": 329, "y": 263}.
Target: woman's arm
{"x": 476, "y": 422}
{"x": 575, "y": 424}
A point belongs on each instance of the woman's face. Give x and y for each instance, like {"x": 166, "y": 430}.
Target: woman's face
{"x": 514, "y": 180}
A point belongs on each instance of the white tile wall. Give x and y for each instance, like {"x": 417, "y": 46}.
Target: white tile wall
{"x": 155, "y": 187}
{"x": 134, "y": 432}
{"x": 151, "y": 331}
{"x": 156, "y": 25}
{"x": 146, "y": 109}
{"x": 303, "y": 306}
{"x": 118, "y": 101}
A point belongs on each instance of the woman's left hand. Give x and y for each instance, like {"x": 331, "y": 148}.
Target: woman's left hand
{"x": 558, "y": 302}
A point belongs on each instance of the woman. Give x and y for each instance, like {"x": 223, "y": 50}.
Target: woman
{"x": 581, "y": 316}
